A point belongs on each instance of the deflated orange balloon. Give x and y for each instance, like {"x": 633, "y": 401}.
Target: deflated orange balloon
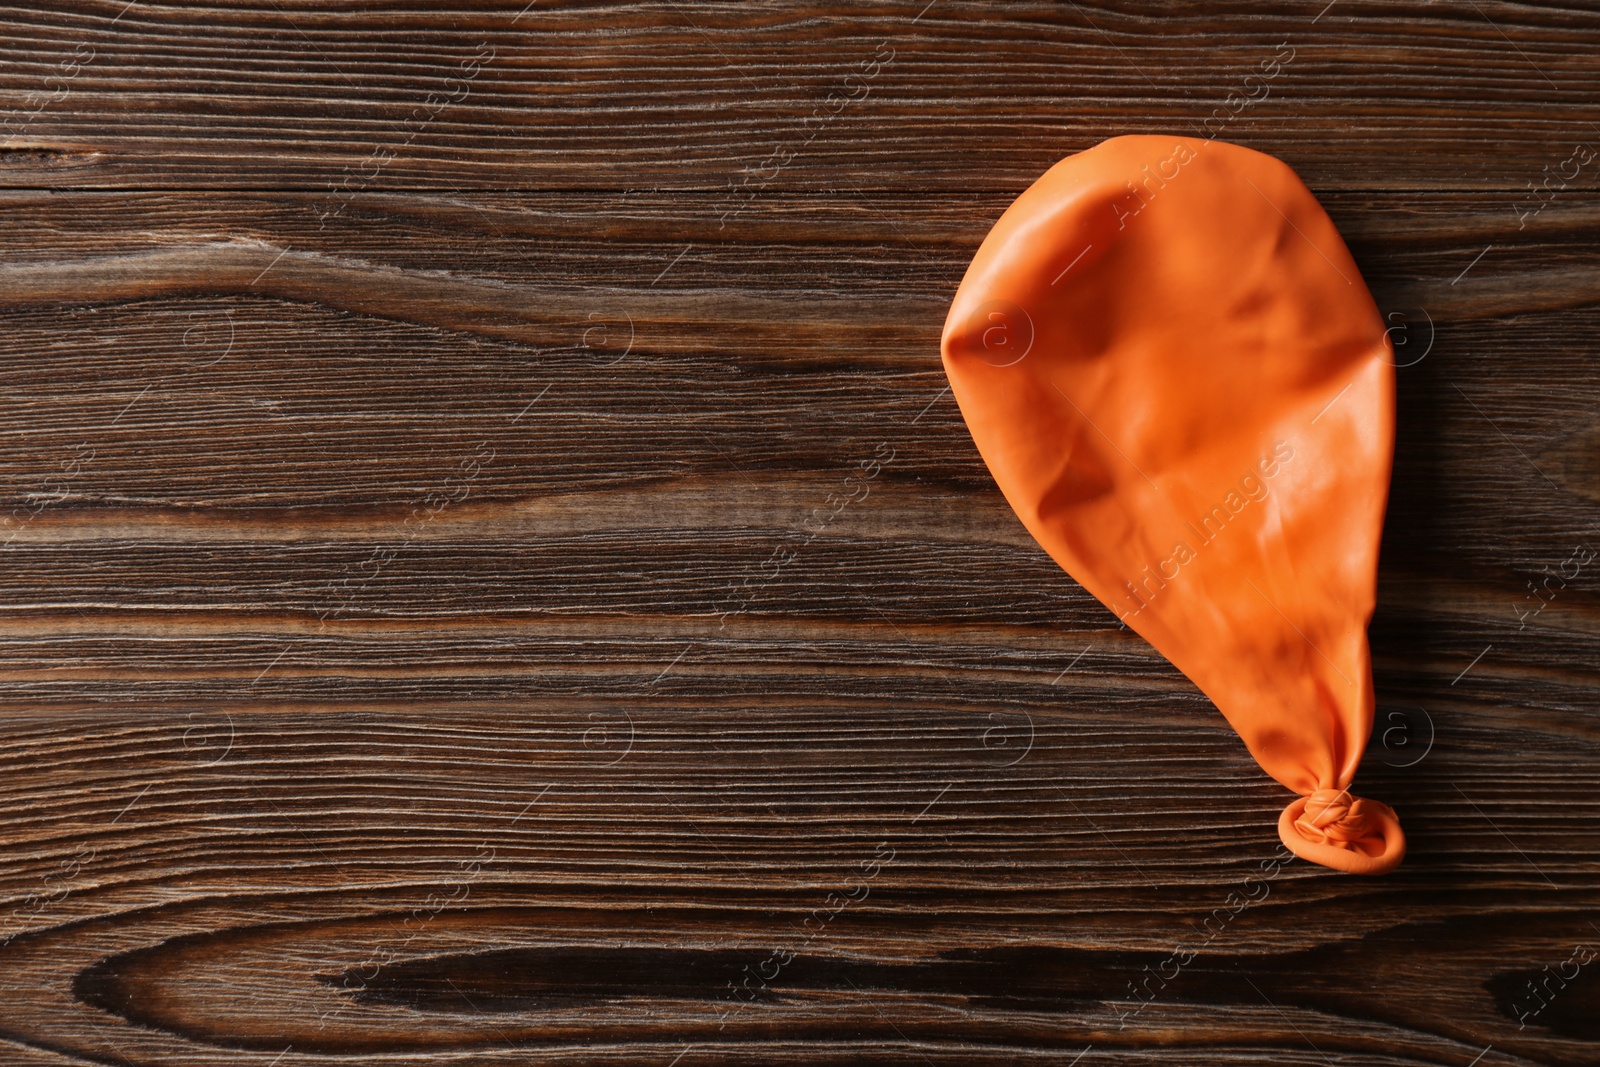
{"x": 1176, "y": 374}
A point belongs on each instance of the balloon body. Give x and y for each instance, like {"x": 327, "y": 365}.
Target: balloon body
{"x": 1174, "y": 371}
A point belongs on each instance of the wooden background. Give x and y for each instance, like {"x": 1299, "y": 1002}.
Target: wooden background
{"x": 492, "y": 573}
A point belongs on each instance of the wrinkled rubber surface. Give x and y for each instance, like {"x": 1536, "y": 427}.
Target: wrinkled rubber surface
{"x": 1172, "y": 367}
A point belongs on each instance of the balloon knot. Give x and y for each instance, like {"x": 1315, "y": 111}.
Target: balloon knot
{"x": 1333, "y": 816}
{"x": 1345, "y": 832}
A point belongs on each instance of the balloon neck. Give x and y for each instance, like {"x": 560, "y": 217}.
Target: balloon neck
{"x": 1345, "y": 832}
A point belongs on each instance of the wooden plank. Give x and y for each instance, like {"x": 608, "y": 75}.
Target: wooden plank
{"x": 1018, "y": 895}
{"x": 953, "y": 95}
{"x": 336, "y": 376}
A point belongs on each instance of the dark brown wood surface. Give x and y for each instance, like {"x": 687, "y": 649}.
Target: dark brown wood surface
{"x": 492, "y": 573}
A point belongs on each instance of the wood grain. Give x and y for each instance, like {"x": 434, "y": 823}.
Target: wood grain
{"x": 505, "y": 582}
{"x": 712, "y": 96}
